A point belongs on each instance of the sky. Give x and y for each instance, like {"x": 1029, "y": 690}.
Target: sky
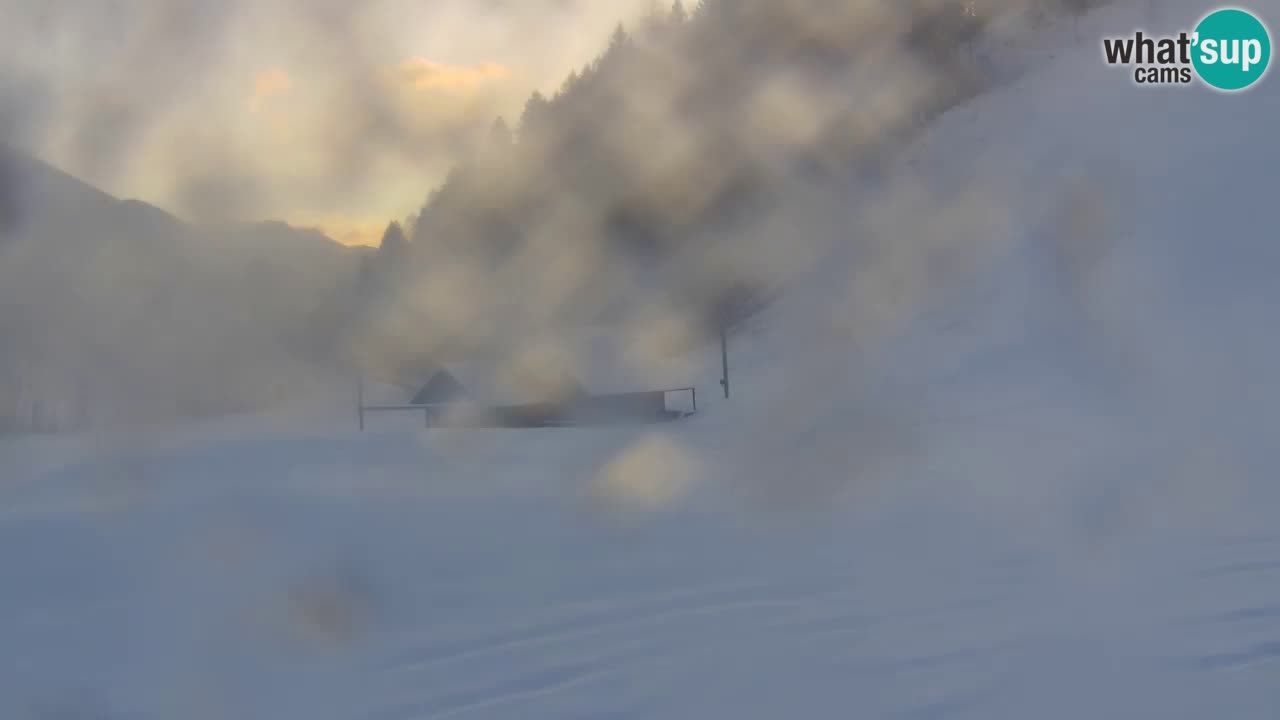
{"x": 325, "y": 113}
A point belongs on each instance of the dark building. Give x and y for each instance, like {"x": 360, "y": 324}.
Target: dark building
{"x": 443, "y": 388}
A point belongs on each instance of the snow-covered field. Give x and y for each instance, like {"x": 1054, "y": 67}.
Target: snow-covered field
{"x": 1061, "y": 504}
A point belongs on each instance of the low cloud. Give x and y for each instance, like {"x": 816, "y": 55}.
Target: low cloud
{"x": 326, "y": 106}
{"x": 269, "y": 84}
{"x": 426, "y": 75}
{"x": 350, "y": 230}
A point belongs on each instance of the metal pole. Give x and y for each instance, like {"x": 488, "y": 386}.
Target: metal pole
{"x": 724, "y": 361}
{"x": 360, "y": 402}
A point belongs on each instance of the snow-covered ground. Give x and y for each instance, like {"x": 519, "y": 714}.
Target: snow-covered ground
{"x": 1042, "y": 494}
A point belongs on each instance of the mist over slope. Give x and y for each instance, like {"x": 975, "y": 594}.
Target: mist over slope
{"x": 684, "y": 175}
{"x": 1059, "y": 294}
{"x": 1009, "y": 456}
{"x": 693, "y": 169}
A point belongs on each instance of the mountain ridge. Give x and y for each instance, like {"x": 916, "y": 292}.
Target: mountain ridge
{"x": 117, "y": 310}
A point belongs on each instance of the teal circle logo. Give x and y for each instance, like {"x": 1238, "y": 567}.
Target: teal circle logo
{"x": 1232, "y": 49}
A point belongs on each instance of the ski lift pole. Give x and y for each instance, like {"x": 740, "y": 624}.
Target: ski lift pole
{"x": 724, "y": 360}
{"x": 360, "y": 402}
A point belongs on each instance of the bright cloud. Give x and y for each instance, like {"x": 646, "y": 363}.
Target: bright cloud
{"x": 350, "y": 230}
{"x": 289, "y": 109}
{"x": 422, "y": 74}
{"x": 267, "y": 85}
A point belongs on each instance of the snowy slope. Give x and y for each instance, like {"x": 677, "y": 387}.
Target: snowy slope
{"x": 1038, "y": 492}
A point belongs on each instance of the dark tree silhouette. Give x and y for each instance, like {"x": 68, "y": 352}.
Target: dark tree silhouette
{"x": 500, "y": 137}
{"x": 678, "y": 13}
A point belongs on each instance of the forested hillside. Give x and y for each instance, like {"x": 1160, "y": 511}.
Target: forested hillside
{"x": 678, "y": 180}
{"x": 650, "y": 176}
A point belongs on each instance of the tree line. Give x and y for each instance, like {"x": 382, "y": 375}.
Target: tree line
{"x": 686, "y": 126}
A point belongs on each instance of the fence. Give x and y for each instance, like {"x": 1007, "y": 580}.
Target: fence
{"x": 618, "y": 408}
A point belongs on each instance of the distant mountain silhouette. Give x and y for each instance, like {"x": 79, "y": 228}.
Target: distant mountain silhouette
{"x": 117, "y": 310}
